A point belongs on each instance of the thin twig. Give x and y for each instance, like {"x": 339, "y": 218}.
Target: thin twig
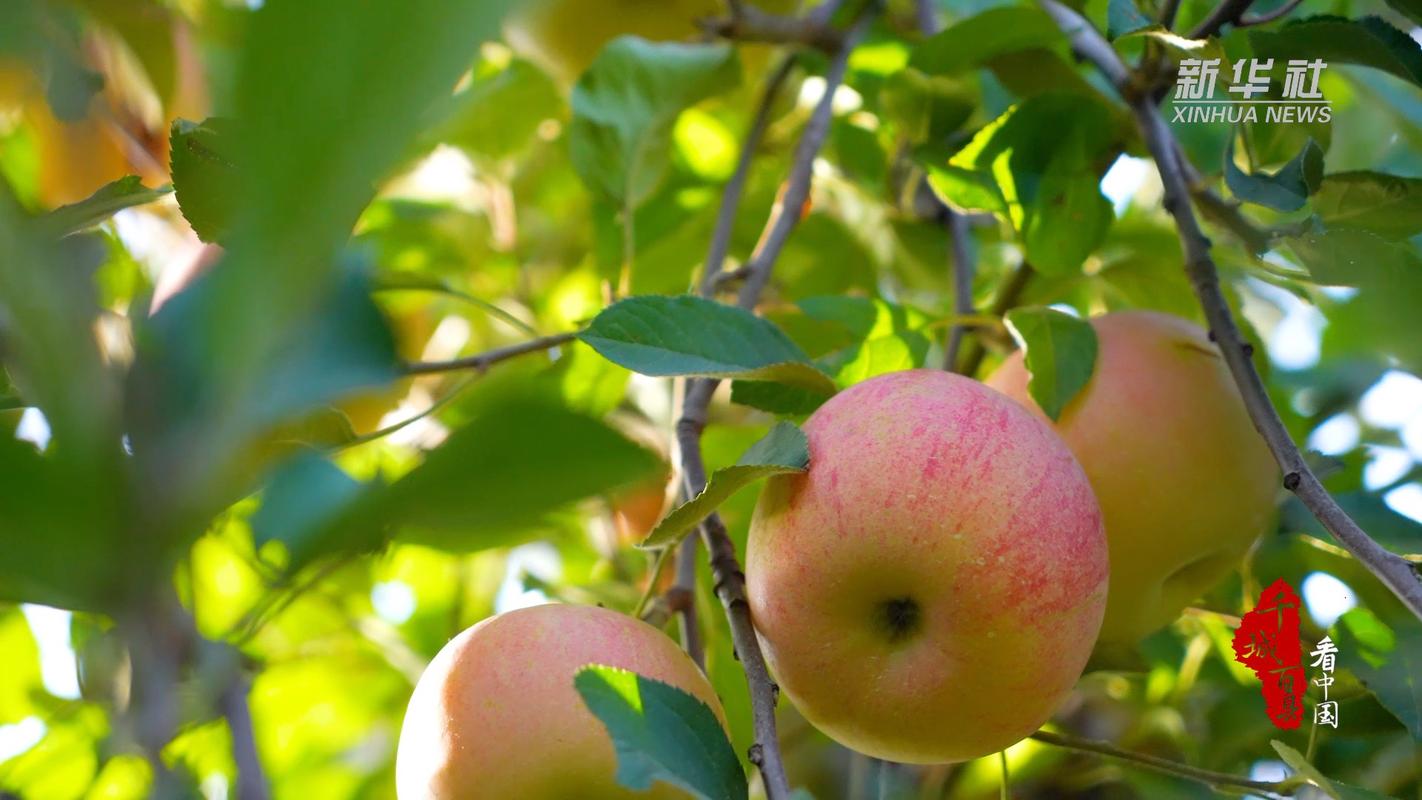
{"x": 711, "y": 280}
{"x": 1227, "y": 12}
{"x": 1395, "y": 572}
{"x": 484, "y": 360}
{"x": 1163, "y": 765}
{"x": 725, "y": 566}
{"x": 159, "y": 639}
{"x": 752, "y": 25}
{"x": 251, "y": 781}
{"x": 927, "y": 17}
{"x": 736, "y": 187}
{"x": 1006, "y": 299}
{"x": 1268, "y": 16}
{"x": 958, "y": 231}
{"x": 1168, "y": 10}
{"x": 962, "y": 286}
{"x": 786, "y": 214}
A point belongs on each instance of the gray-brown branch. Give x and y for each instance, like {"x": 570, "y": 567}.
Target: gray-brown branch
{"x": 961, "y": 257}
{"x": 750, "y": 24}
{"x": 484, "y": 360}
{"x": 711, "y": 279}
{"x": 1395, "y": 572}
{"x": 251, "y": 779}
{"x": 726, "y": 570}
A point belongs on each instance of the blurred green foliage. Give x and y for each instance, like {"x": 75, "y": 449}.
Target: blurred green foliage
{"x": 389, "y": 183}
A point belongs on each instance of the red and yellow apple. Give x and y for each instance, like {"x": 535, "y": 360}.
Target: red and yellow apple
{"x": 1184, "y": 481}
{"x": 496, "y": 716}
{"x": 930, "y": 590}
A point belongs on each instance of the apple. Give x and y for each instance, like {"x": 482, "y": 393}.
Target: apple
{"x": 495, "y": 714}
{"x": 637, "y": 511}
{"x": 1184, "y": 481}
{"x": 930, "y": 590}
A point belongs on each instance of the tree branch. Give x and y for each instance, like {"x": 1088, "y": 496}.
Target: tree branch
{"x": 1227, "y": 12}
{"x": 251, "y": 781}
{"x": 1395, "y": 572}
{"x": 725, "y": 567}
{"x": 1005, "y": 300}
{"x": 958, "y": 230}
{"x": 483, "y": 361}
{"x": 750, "y": 24}
{"x": 711, "y": 280}
{"x": 1164, "y": 765}
{"x": 711, "y": 273}
{"x": 786, "y": 214}
{"x": 1268, "y": 16}
{"x": 962, "y": 285}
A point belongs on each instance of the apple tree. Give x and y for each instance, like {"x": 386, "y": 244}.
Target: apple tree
{"x": 842, "y": 399}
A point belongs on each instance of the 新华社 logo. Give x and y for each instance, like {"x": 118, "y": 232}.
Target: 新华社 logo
{"x": 1247, "y": 98}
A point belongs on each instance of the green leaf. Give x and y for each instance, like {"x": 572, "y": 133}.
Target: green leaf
{"x": 856, "y": 338}
{"x": 625, "y": 105}
{"x": 1039, "y": 165}
{"x": 1285, "y": 190}
{"x": 1060, "y": 351}
{"x": 1387, "y": 205}
{"x": 204, "y": 177}
{"x": 306, "y": 505}
{"x": 1038, "y": 70}
{"x": 924, "y": 106}
{"x": 499, "y": 114}
{"x": 1122, "y": 17}
{"x": 1067, "y": 217}
{"x": 1380, "y": 319}
{"x": 58, "y": 552}
{"x": 686, "y": 335}
{"x": 22, "y": 668}
{"x": 108, "y": 200}
{"x": 994, "y": 32}
{"x": 328, "y": 97}
{"x": 501, "y": 473}
{"x": 662, "y": 733}
{"x": 965, "y": 189}
{"x": 1386, "y": 655}
{"x": 1368, "y": 42}
{"x": 1412, "y": 9}
{"x": 342, "y": 346}
{"x": 1354, "y": 257}
{"x": 1334, "y": 789}
{"x": 777, "y": 398}
{"x": 783, "y": 450}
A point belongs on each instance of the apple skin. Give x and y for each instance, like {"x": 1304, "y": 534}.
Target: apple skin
{"x": 930, "y": 590}
{"x": 1185, "y": 482}
{"x": 495, "y": 714}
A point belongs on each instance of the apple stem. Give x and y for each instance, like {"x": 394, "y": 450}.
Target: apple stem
{"x": 1396, "y": 573}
